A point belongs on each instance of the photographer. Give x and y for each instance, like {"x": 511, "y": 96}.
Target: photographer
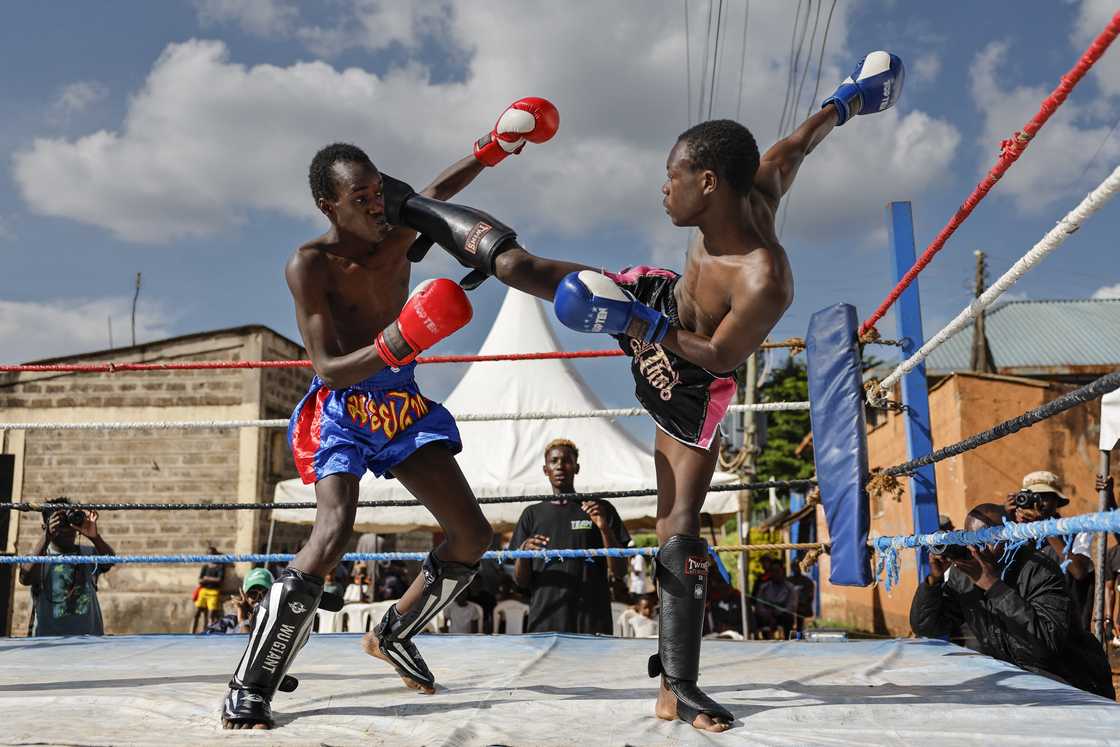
{"x": 1040, "y": 498}
{"x": 64, "y": 596}
{"x": 1018, "y": 610}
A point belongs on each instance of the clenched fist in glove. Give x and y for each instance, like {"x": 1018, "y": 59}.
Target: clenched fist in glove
{"x": 530, "y": 119}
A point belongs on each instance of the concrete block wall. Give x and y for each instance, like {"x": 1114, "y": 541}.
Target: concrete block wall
{"x": 156, "y": 466}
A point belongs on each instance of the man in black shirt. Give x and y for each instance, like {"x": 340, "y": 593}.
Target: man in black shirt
{"x": 568, "y": 595}
{"x": 1018, "y": 610}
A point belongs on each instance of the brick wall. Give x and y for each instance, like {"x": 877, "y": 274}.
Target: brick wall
{"x": 960, "y": 406}
{"x": 157, "y": 466}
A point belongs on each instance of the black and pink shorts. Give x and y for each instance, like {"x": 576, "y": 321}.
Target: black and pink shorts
{"x": 686, "y": 401}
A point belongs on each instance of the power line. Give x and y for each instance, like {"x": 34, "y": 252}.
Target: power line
{"x": 805, "y": 72}
{"x": 820, "y": 59}
{"x": 715, "y": 60}
{"x": 743, "y": 60}
{"x": 704, "y": 69}
{"x": 792, "y": 112}
{"x": 789, "y": 73}
{"x": 687, "y": 67}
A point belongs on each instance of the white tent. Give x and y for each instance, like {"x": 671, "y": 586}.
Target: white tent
{"x": 505, "y": 457}
{"x": 1110, "y": 420}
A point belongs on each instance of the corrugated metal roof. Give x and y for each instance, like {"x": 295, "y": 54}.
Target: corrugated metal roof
{"x": 1040, "y": 334}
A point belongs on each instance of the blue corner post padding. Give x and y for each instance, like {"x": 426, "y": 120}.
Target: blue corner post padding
{"x": 836, "y": 400}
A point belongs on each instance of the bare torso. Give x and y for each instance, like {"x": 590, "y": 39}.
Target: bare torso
{"x": 713, "y": 275}
{"x": 363, "y": 294}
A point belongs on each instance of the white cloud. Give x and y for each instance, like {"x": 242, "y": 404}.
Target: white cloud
{"x": 377, "y": 24}
{"x": 925, "y": 68}
{"x": 31, "y": 330}
{"x": 1092, "y": 17}
{"x": 1051, "y": 168}
{"x": 259, "y": 17}
{"x": 205, "y": 139}
{"x": 78, "y": 96}
{"x": 1107, "y": 291}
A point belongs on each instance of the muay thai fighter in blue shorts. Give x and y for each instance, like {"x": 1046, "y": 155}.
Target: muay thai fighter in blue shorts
{"x": 364, "y": 411}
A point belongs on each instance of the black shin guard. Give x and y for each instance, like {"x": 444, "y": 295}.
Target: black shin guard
{"x": 444, "y": 580}
{"x": 281, "y": 626}
{"x": 682, "y": 581}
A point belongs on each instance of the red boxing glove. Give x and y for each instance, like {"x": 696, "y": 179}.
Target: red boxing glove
{"x": 533, "y": 119}
{"x": 436, "y": 309}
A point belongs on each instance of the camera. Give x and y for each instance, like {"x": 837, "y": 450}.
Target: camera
{"x": 74, "y": 517}
{"x": 1026, "y": 499}
{"x": 951, "y": 552}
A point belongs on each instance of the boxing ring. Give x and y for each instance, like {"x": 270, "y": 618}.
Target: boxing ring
{"x": 539, "y": 690}
{"x": 549, "y": 689}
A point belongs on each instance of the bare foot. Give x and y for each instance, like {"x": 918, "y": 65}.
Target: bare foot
{"x": 372, "y": 646}
{"x": 244, "y": 725}
{"x": 666, "y": 708}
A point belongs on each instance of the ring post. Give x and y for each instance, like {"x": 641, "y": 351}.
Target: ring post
{"x": 915, "y": 391}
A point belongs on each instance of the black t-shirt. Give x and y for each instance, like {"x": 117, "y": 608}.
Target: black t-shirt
{"x": 216, "y": 571}
{"x": 1112, "y": 563}
{"x": 569, "y": 595}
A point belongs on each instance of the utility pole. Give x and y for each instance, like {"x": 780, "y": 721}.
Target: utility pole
{"x": 135, "y": 297}
{"x": 750, "y": 444}
{"x": 981, "y": 355}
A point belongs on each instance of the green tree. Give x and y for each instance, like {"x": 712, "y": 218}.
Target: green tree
{"x": 786, "y": 430}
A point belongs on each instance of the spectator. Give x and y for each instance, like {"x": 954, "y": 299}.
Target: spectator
{"x": 724, "y": 608}
{"x": 393, "y": 583}
{"x": 511, "y": 615}
{"x": 1111, "y": 568}
{"x": 1018, "y": 610}
{"x": 806, "y": 592}
{"x": 358, "y": 590}
{"x": 640, "y": 566}
{"x": 643, "y": 624}
{"x": 463, "y": 616}
{"x": 64, "y": 596}
{"x": 336, "y": 581}
{"x": 256, "y": 584}
{"x": 1040, "y": 498}
{"x": 208, "y": 594}
{"x": 775, "y": 606}
{"x": 568, "y": 595}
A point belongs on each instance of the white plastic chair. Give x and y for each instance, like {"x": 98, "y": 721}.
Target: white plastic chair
{"x": 327, "y": 622}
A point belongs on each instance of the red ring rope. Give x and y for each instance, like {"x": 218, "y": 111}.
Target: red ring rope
{"x": 1010, "y": 150}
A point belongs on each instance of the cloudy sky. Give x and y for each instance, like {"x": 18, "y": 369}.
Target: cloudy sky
{"x": 173, "y": 139}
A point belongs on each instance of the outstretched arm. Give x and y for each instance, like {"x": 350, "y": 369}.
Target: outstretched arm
{"x": 780, "y": 163}
{"x": 454, "y": 179}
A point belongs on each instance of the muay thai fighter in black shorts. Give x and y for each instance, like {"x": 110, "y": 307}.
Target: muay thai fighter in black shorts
{"x": 685, "y": 333}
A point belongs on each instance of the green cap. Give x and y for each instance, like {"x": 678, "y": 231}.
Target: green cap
{"x": 257, "y": 577}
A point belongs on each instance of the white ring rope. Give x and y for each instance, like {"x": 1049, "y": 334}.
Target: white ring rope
{"x": 1093, "y": 202}
{"x": 478, "y": 417}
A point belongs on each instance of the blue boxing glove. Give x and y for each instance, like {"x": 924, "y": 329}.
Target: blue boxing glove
{"x": 587, "y": 301}
{"x": 873, "y": 87}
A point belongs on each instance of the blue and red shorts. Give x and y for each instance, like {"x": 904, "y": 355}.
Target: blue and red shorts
{"x": 686, "y": 401}
{"x": 373, "y": 425}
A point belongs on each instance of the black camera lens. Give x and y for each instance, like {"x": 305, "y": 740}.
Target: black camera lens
{"x": 951, "y": 552}
{"x": 75, "y": 517}
{"x": 1025, "y": 499}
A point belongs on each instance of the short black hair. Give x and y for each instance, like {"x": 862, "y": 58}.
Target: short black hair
{"x": 725, "y": 147}
{"x": 320, "y": 175}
